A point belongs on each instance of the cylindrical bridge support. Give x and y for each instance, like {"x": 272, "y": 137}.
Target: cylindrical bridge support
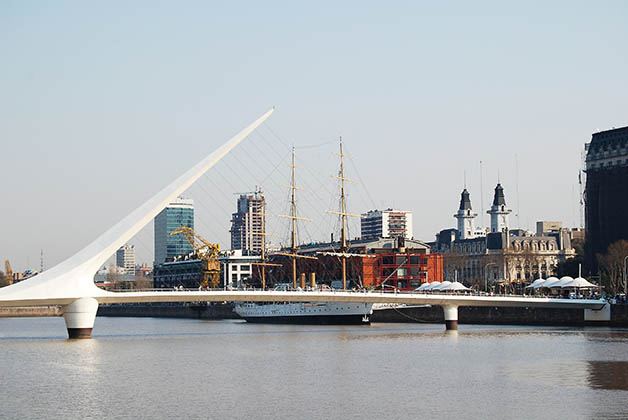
{"x": 451, "y": 317}
{"x": 79, "y": 317}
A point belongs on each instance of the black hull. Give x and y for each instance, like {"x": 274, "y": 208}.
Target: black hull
{"x": 311, "y": 320}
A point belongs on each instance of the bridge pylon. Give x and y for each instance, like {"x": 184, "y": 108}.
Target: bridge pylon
{"x": 451, "y": 317}
{"x": 79, "y": 317}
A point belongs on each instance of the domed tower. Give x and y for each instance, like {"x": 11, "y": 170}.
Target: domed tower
{"x": 465, "y": 217}
{"x": 499, "y": 212}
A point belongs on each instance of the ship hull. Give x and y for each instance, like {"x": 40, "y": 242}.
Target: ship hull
{"x": 337, "y": 313}
{"x": 311, "y": 320}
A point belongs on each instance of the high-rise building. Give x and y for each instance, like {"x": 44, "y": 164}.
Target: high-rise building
{"x": 606, "y": 193}
{"x": 387, "y": 223}
{"x": 178, "y": 213}
{"x": 247, "y": 224}
{"x": 125, "y": 259}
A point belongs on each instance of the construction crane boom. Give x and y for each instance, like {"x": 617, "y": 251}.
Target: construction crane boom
{"x": 206, "y": 252}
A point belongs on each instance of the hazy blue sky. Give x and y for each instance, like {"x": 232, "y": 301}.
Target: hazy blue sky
{"x": 103, "y": 104}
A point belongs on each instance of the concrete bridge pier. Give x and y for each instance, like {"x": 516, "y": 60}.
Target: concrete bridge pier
{"x": 451, "y": 317}
{"x": 80, "y": 316}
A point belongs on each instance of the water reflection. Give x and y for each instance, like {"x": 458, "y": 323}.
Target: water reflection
{"x": 594, "y": 374}
{"x": 169, "y": 368}
{"x": 608, "y": 375}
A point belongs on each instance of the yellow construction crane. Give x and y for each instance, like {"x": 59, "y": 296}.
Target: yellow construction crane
{"x": 8, "y": 272}
{"x": 206, "y": 252}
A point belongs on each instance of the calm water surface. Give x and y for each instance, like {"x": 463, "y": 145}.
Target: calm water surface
{"x": 169, "y": 368}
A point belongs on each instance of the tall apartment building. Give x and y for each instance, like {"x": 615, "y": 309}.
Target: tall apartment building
{"x": 178, "y": 213}
{"x": 387, "y": 223}
{"x": 606, "y": 192}
{"x": 125, "y": 259}
{"x": 247, "y": 224}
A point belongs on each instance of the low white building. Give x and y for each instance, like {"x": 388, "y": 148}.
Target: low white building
{"x": 237, "y": 268}
{"x": 387, "y": 223}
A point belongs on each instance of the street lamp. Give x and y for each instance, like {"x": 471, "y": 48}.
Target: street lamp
{"x": 625, "y": 285}
{"x": 486, "y": 276}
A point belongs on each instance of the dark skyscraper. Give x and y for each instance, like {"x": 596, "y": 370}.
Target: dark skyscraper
{"x": 606, "y": 192}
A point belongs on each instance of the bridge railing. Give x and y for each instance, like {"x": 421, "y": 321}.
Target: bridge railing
{"x": 360, "y": 291}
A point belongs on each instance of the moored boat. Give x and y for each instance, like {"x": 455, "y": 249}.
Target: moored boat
{"x": 331, "y": 313}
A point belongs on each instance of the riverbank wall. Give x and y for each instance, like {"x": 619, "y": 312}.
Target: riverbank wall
{"x": 501, "y": 316}
{"x": 31, "y": 311}
{"x": 420, "y": 314}
{"x": 198, "y": 311}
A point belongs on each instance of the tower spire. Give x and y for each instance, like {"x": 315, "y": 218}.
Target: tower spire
{"x": 499, "y": 212}
{"x": 465, "y": 216}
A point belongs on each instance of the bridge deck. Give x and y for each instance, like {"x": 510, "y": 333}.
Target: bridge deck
{"x": 325, "y": 296}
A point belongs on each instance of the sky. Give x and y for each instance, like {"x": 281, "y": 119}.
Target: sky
{"x": 103, "y": 104}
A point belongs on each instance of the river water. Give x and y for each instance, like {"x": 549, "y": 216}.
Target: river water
{"x": 182, "y": 368}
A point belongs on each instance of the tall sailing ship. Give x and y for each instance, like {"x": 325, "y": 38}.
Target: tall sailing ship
{"x": 338, "y": 313}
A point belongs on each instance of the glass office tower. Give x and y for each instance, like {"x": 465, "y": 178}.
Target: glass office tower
{"x": 178, "y": 213}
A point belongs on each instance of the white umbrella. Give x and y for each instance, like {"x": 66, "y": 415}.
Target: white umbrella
{"x": 424, "y": 286}
{"x": 456, "y": 286}
{"x": 535, "y": 284}
{"x": 580, "y": 283}
{"x": 432, "y": 285}
{"x": 442, "y": 286}
{"x": 550, "y": 282}
{"x": 563, "y": 280}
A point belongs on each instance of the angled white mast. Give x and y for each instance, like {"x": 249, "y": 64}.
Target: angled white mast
{"x": 73, "y": 278}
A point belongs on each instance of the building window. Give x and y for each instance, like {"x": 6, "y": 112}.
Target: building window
{"x": 387, "y": 260}
{"x": 387, "y": 272}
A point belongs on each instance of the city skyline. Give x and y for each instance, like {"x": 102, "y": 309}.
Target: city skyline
{"x": 422, "y": 92}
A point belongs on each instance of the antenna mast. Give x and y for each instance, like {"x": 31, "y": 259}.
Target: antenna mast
{"x": 481, "y": 198}
{"x": 517, "y": 186}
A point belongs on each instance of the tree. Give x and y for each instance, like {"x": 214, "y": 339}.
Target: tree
{"x": 612, "y": 266}
{"x": 142, "y": 282}
{"x": 113, "y": 277}
{"x": 4, "y": 279}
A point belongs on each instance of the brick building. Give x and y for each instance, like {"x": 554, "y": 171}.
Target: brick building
{"x": 398, "y": 263}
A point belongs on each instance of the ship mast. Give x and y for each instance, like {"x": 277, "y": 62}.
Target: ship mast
{"x": 293, "y": 214}
{"x": 343, "y": 213}
{"x": 293, "y": 217}
{"x": 343, "y": 232}
{"x": 263, "y": 261}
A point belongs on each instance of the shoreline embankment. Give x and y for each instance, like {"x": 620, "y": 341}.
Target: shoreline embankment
{"x": 418, "y": 314}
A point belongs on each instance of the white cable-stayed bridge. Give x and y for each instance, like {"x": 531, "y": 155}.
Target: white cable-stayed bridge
{"x": 71, "y": 284}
